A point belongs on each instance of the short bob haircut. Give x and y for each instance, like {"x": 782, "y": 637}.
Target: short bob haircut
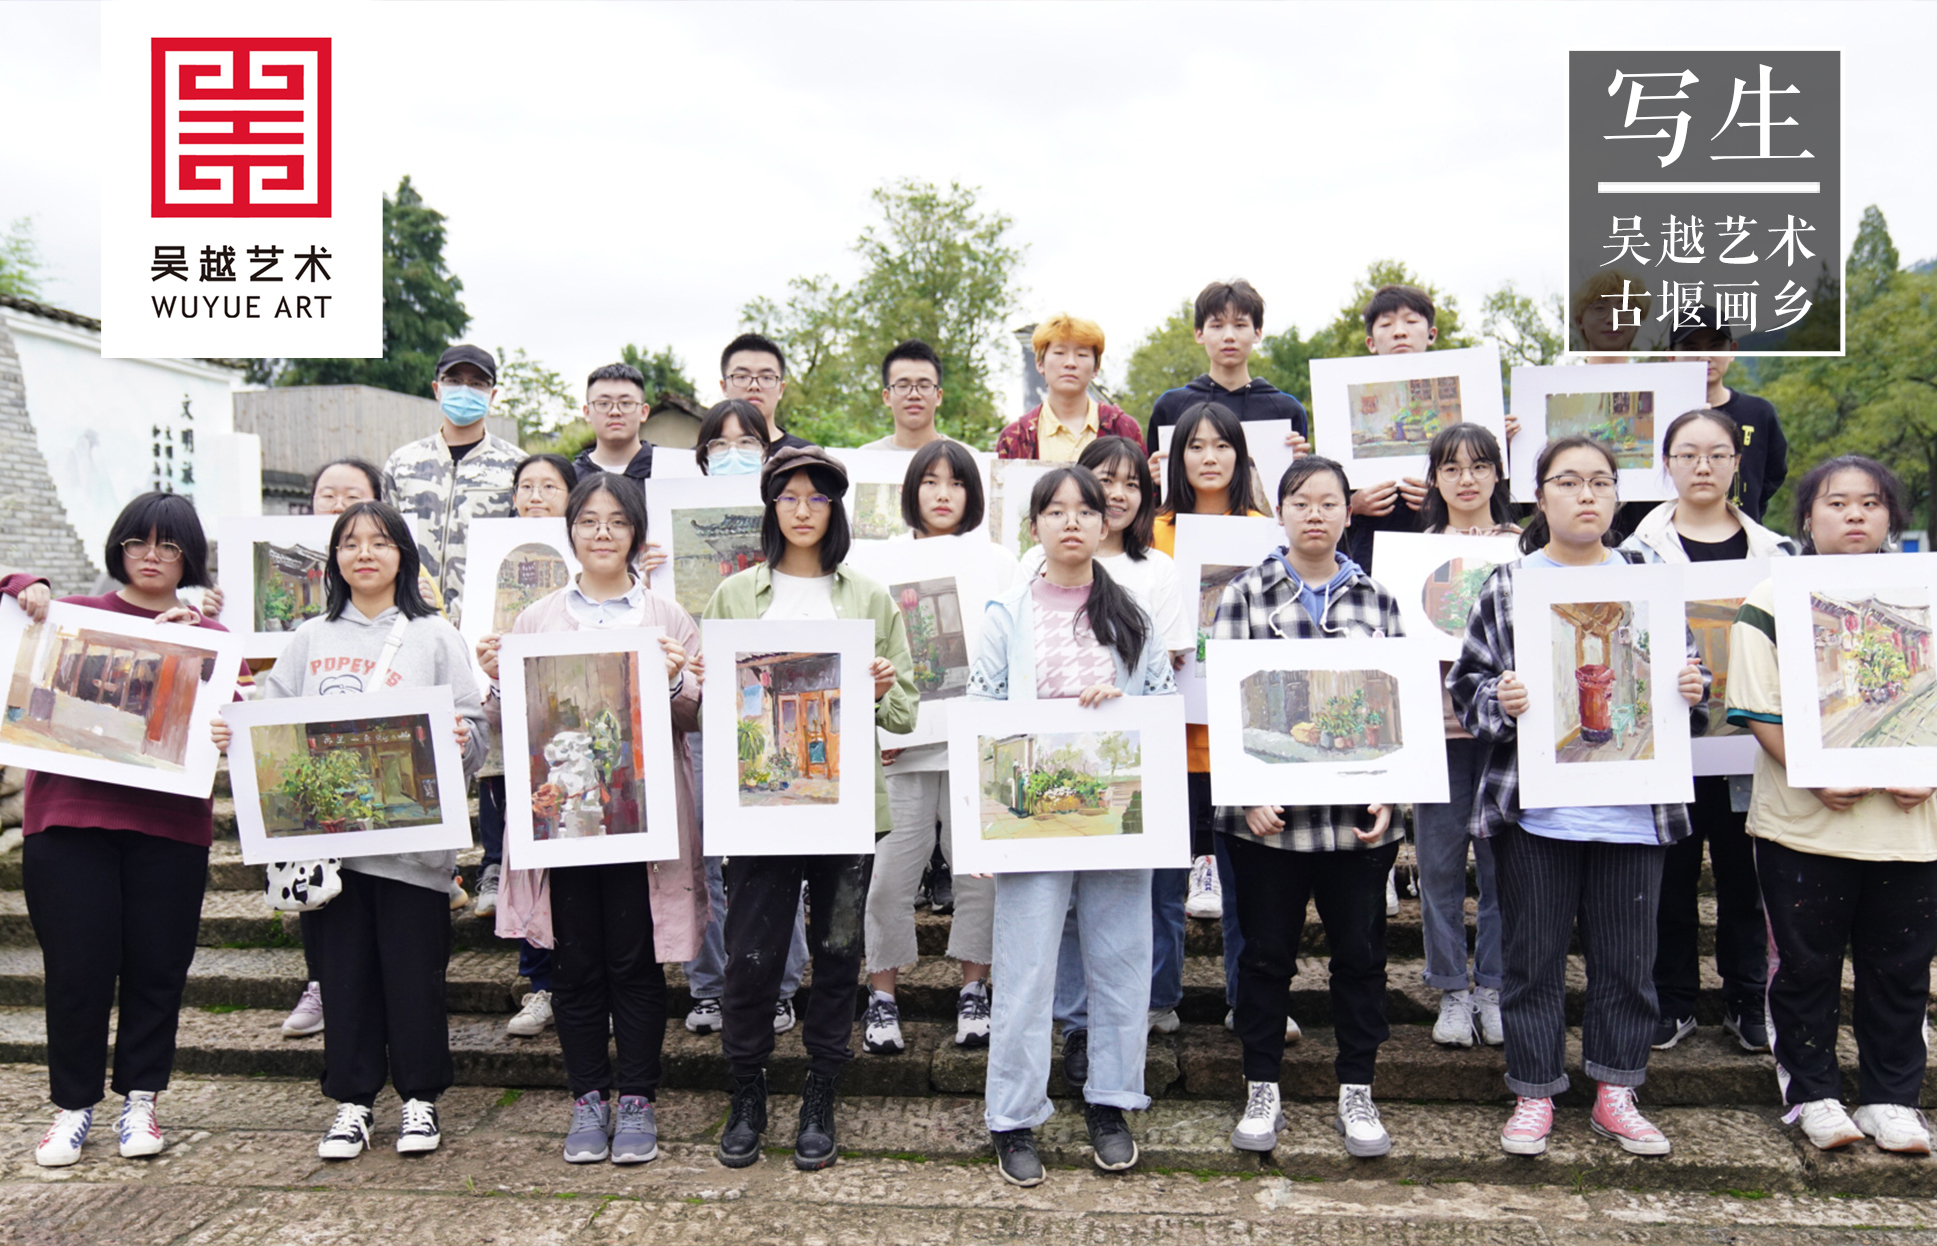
{"x": 557, "y": 462}
{"x": 1392, "y": 298}
{"x": 750, "y": 421}
{"x": 1817, "y": 479}
{"x": 1236, "y": 297}
{"x": 1179, "y": 497}
{"x": 165, "y": 517}
{"x": 834, "y": 544}
{"x": 961, "y": 464}
{"x": 1063, "y": 327}
{"x": 1114, "y": 451}
{"x": 410, "y": 602}
{"x": 369, "y": 470}
{"x": 1303, "y": 468}
{"x": 1444, "y": 448}
{"x": 631, "y": 500}
{"x": 1607, "y": 284}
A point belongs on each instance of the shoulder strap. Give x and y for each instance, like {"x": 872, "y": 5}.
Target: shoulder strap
{"x": 391, "y": 644}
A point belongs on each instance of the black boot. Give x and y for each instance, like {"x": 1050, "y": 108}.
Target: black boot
{"x": 814, "y": 1146}
{"x": 740, "y": 1140}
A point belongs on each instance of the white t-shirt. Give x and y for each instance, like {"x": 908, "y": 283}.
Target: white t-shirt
{"x": 801, "y": 597}
{"x": 1152, "y": 580}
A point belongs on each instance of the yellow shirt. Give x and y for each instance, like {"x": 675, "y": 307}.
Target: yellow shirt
{"x": 1055, "y": 443}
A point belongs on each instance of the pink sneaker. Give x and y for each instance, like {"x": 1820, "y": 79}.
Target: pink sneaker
{"x": 1616, "y": 1117}
{"x": 1526, "y": 1130}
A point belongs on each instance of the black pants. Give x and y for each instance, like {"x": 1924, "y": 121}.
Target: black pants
{"x": 1272, "y": 886}
{"x": 1741, "y": 936}
{"x": 383, "y": 948}
{"x": 605, "y": 972}
{"x": 112, "y": 906}
{"x": 1885, "y": 912}
{"x": 763, "y": 895}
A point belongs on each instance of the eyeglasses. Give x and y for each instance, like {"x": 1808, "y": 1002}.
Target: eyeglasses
{"x": 482, "y": 385}
{"x": 135, "y": 547}
{"x": 815, "y": 502}
{"x": 1572, "y": 485}
{"x": 724, "y": 445}
{"x": 378, "y": 546}
{"x": 1056, "y": 515}
{"x": 592, "y": 527}
{"x": 753, "y": 380}
{"x": 624, "y": 406}
{"x": 1325, "y": 509}
{"x": 1689, "y": 460}
{"x": 901, "y": 389}
{"x": 540, "y": 489}
{"x": 1450, "y": 473}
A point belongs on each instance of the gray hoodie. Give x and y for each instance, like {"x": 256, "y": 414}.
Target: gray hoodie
{"x": 325, "y": 658}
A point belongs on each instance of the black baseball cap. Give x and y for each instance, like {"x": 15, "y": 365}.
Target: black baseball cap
{"x": 1703, "y": 319}
{"x": 476, "y": 356}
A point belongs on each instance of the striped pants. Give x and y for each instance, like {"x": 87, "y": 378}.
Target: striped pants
{"x": 1613, "y": 889}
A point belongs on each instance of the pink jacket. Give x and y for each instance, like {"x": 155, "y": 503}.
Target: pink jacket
{"x": 679, "y": 899}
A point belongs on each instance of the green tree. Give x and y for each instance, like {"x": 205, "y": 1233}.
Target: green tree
{"x": 936, "y": 266}
{"x": 537, "y": 398}
{"x": 1345, "y": 336}
{"x": 1168, "y": 356}
{"x": 21, "y": 263}
{"x": 1873, "y": 259}
{"x": 1528, "y": 331}
{"x": 663, "y": 370}
{"x": 422, "y": 310}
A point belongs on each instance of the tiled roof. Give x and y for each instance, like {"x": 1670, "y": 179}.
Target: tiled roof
{"x": 61, "y": 316}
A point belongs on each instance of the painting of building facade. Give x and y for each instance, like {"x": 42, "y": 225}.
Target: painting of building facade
{"x": 106, "y": 695}
{"x": 877, "y": 512}
{"x": 1451, "y": 592}
{"x": 583, "y": 732}
{"x": 332, "y": 777}
{"x": 527, "y": 574}
{"x": 1603, "y": 708}
{"x": 1399, "y": 417}
{"x": 1211, "y": 580}
{"x": 1320, "y": 716}
{"x": 788, "y": 728}
{"x": 932, "y": 610}
{"x": 289, "y": 586}
{"x": 1711, "y": 620}
{"x": 710, "y": 543}
{"x": 1873, "y": 668}
{"x": 1624, "y": 420}
{"x": 1061, "y": 784}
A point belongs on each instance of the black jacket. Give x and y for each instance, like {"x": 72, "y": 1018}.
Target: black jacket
{"x": 639, "y": 469}
{"x": 1260, "y": 400}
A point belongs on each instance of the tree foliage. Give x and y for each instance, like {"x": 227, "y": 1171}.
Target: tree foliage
{"x": 1529, "y": 332}
{"x": 936, "y": 266}
{"x": 1168, "y": 356}
{"x": 21, "y": 263}
{"x": 422, "y": 311}
{"x": 663, "y": 370}
{"x": 537, "y": 398}
{"x": 1873, "y": 259}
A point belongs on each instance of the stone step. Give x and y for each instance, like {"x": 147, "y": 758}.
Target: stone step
{"x": 1198, "y": 1062}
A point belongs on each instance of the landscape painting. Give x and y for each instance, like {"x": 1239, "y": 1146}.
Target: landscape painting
{"x": 1603, "y": 707}
{"x": 1451, "y": 592}
{"x": 1400, "y": 417}
{"x": 788, "y": 728}
{"x": 1873, "y": 668}
{"x": 710, "y": 543}
{"x": 289, "y": 586}
{"x": 1624, "y": 420}
{"x": 585, "y": 749}
{"x": 528, "y": 573}
{"x": 346, "y": 774}
{"x": 877, "y": 512}
{"x": 1301, "y": 716}
{"x": 1061, "y": 784}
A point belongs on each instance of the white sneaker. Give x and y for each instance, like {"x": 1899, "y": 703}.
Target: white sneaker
{"x": 1164, "y": 1021}
{"x": 61, "y": 1144}
{"x": 1358, "y": 1120}
{"x": 783, "y": 1015}
{"x": 1455, "y": 1025}
{"x": 1392, "y": 892}
{"x": 139, "y": 1130}
{"x": 1292, "y": 1032}
{"x": 459, "y": 896}
{"x": 1895, "y": 1127}
{"x": 307, "y": 1016}
{"x": 1827, "y": 1125}
{"x": 881, "y": 1029}
{"x": 1263, "y": 1117}
{"x": 488, "y": 881}
{"x": 1486, "y": 1013}
{"x": 972, "y": 1008}
{"x": 533, "y": 1017}
{"x": 349, "y": 1133}
{"x": 705, "y": 1017}
{"x": 1206, "y": 898}
{"x": 418, "y": 1133}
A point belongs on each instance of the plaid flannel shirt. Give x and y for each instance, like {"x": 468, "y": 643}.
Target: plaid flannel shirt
{"x": 1263, "y": 604}
{"x": 1474, "y": 682}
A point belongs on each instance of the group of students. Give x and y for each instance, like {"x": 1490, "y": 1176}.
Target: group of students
{"x": 1092, "y": 613}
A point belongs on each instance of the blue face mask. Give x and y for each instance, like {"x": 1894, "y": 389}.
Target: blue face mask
{"x": 733, "y": 463}
{"x": 462, "y": 405}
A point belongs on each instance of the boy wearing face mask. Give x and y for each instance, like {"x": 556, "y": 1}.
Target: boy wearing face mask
{"x": 458, "y": 472}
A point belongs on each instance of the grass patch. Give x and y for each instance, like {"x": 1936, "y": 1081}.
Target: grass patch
{"x": 223, "y": 1009}
{"x": 1748, "y": 1194}
{"x": 566, "y": 1194}
{"x": 911, "y": 1157}
{"x": 510, "y": 1097}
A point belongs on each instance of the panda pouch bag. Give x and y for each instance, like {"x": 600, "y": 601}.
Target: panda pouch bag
{"x": 304, "y": 886}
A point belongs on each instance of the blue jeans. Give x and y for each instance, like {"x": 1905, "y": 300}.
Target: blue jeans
{"x": 1442, "y": 837}
{"x": 706, "y": 973}
{"x": 1168, "y": 891}
{"x": 1113, "y": 913}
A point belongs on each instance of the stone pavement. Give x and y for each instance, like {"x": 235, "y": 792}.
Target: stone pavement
{"x": 241, "y": 1167}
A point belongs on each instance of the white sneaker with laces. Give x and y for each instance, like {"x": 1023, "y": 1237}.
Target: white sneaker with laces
{"x": 1358, "y": 1120}
{"x": 533, "y": 1017}
{"x": 1264, "y": 1116}
{"x": 705, "y": 1017}
{"x": 1455, "y": 1025}
{"x": 783, "y": 1016}
{"x": 418, "y": 1132}
{"x": 349, "y": 1133}
{"x": 1164, "y": 1021}
{"x": 1895, "y": 1127}
{"x": 972, "y": 1008}
{"x": 140, "y": 1132}
{"x": 1206, "y": 897}
{"x": 881, "y": 1028}
{"x": 1392, "y": 892}
{"x": 307, "y": 1016}
{"x": 61, "y": 1144}
{"x": 1486, "y": 1015}
{"x": 488, "y": 881}
{"x": 1827, "y": 1125}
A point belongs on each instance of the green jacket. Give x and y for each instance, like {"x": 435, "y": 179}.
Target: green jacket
{"x": 749, "y": 595}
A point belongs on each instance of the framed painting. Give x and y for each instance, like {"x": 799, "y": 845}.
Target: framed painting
{"x": 943, "y": 588}
{"x": 1270, "y": 456}
{"x": 709, "y": 527}
{"x": 1437, "y": 579}
{"x": 875, "y": 478}
{"x": 1626, "y": 405}
{"x": 1713, "y": 592}
{"x": 272, "y": 576}
{"x": 1376, "y": 414}
{"x": 1211, "y": 551}
{"x": 513, "y": 563}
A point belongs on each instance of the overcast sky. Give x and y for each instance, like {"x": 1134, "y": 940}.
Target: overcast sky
{"x": 637, "y": 172}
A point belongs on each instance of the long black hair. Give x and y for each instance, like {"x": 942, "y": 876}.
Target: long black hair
{"x": 835, "y": 542}
{"x": 1817, "y": 478}
{"x": 1179, "y": 497}
{"x": 1115, "y": 452}
{"x": 167, "y": 517}
{"x": 409, "y": 601}
{"x": 1114, "y": 616}
{"x": 630, "y": 497}
{"x": 1538, "y": 533}
{"x": 557, "y": 462}
{"x": 961, "y": 464}
{"x": 1485, "y": 448}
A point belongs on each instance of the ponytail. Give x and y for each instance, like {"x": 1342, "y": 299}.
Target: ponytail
{"x": 1114, "y": 616}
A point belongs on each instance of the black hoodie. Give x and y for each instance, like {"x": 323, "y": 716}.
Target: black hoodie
{"x": 1260, "y": 400}
{"x": 639, "y": 469}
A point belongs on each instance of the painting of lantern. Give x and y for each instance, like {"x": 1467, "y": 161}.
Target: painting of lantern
{"x": 711, "y": 543}
{"x": 1873, "y": 668}
{"x": 1603, "y": 710}
{"x": 1624, "y": 421}
{"x": 1399, "y": 417}
{"x": 788, "y": 728}
{"x": 1059, "y": 785}
{"x": 932, "y": 610}
{"x": 1293, "y": 716}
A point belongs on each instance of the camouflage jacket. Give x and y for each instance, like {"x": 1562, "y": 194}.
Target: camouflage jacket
{"x": 421, "y": 480}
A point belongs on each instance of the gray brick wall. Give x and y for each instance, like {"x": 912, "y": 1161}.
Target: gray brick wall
{"x": 34, "y": 532}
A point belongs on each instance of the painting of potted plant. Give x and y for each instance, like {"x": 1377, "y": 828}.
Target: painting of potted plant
{"x": 332, "y": 788}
